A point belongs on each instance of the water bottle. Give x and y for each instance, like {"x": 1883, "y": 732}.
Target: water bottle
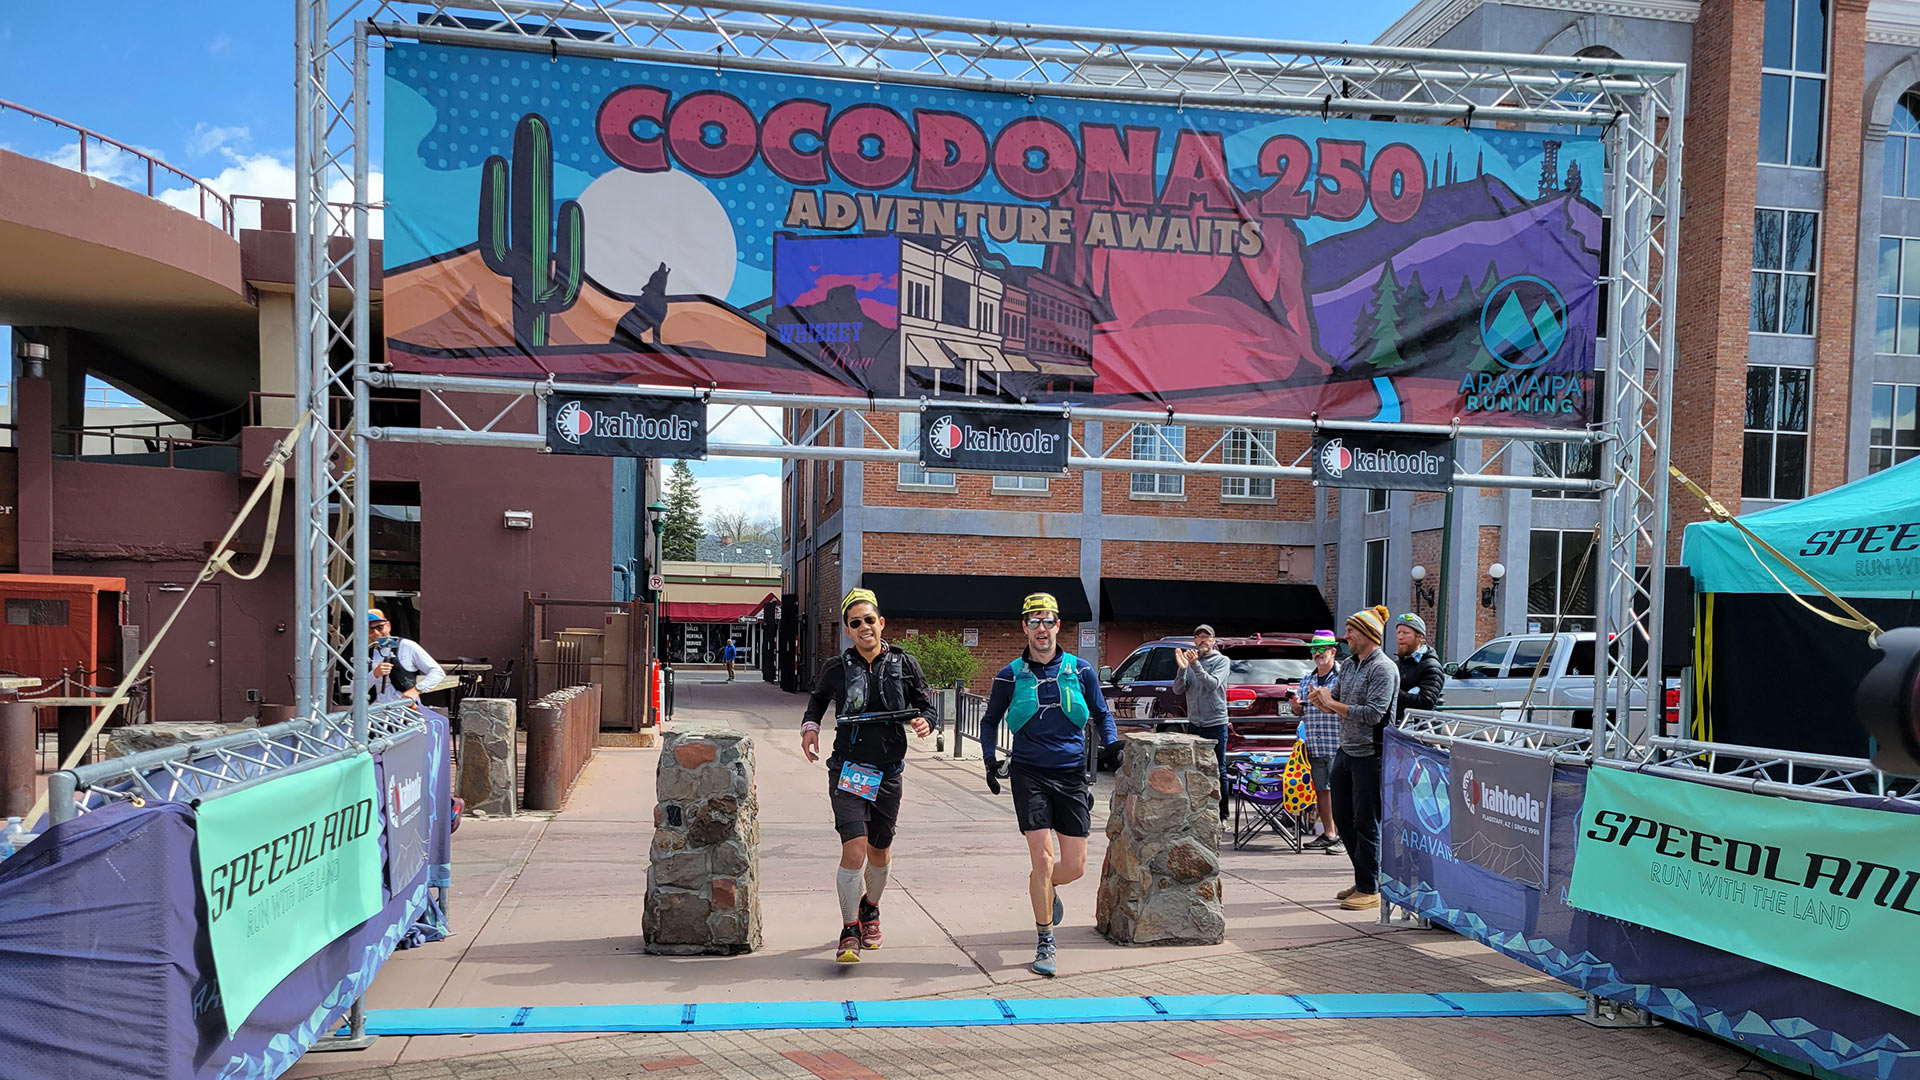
{"x": 13, "y": 838}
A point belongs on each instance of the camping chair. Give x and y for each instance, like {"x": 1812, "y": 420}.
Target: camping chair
{"x": 1259, "y": 801}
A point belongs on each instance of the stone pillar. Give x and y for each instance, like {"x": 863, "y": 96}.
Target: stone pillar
{"x": 703, "y": 877}
{"x": 487, "y": 755}
{"x": 1160, "y": 884}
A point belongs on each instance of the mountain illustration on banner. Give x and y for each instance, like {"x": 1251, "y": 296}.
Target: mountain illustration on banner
{"x": 1348, "y": 269}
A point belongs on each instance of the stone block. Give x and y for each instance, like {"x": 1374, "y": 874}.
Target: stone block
{"x": 1160, "y": 883}
{"x": 702, "y": 884}
{"x": 487, "y": 751}
{"x": 142, "y": 737}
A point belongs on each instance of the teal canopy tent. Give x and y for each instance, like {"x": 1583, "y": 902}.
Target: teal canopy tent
{"x": 1767, "y": 671}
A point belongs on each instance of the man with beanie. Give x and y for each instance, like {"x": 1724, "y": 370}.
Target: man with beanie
{"x": 1421, "y": 679}
{"x": 1048, "y": 698}
{"x": 867, "y": 762}
{"x": 1364, "y": 701}
{"x": 1203, "y": 679}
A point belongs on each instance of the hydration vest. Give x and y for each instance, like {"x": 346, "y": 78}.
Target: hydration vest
{"x": 1026, "y": 693}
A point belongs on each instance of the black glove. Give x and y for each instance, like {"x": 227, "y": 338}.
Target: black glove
{"x": 993, "y": 777}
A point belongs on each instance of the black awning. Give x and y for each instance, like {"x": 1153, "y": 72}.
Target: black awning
{"x": 965, "y": 596}
{"x": 1230, "y": 607}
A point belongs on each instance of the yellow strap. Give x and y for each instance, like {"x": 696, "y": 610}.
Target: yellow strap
{"x": 1852, "y": 620}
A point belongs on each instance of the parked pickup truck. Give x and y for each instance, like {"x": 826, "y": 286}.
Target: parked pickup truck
{"x": 1495, "y": 678}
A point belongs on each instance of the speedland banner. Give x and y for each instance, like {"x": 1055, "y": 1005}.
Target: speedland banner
{"x": 285, "y": 868}
{"x": 677, "y": 225}
{"x": 1831, "y": 892}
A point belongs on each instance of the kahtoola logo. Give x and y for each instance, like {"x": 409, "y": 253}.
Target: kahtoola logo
{"x": 1335, "y": 458}
{"x": 1470, "y": 791}
{"x": 572, "y": 421}
{"x": 944, "y": 437}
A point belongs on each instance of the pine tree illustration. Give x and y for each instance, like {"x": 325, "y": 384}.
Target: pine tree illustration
{"x": 1377, "y": 333}
{"x": 1415, "y": 323}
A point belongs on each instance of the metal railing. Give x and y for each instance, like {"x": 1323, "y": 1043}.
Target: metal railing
{"x": 1440, "y": 728}
{"x": 201, "y": 769}
{"x": 154, "y": 167}
{"x": 968, "y": 710}
{"x": 273, "y": 214}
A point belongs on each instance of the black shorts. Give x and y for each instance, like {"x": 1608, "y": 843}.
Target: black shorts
{"x": 1056, "y": 799}
{"x": 854, "y": 816}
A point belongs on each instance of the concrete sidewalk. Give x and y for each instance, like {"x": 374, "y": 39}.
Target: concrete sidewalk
{"x": 546, "y": 911}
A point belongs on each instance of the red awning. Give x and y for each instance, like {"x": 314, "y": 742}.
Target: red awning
{"x": 711, "y": 613}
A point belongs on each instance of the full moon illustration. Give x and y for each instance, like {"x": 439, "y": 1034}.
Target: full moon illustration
{"x": 636, "y": 221}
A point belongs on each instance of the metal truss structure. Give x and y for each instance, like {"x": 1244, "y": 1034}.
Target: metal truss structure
{"x": 1638, "y": 104}
{"x": 1442, "y": 728}
{"x": 222, "y": 765}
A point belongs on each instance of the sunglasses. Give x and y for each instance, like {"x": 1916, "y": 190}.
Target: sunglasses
{"x": 1048, "y": 621}
{"x": 859, "y": 621}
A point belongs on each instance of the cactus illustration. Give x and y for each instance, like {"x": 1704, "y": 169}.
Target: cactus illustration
{"x": 519, "y": 239}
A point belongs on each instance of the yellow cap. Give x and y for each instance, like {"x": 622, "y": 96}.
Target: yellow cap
{"x": 859, "y": 596}
{"x": 1039, "y": 601}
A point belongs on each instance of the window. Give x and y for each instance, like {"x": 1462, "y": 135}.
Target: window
{"x": 1377, "y": 500}
{"x": 1019, "y": 482}
{"x": 1793, "y": 82}
{"x": 1244, "y": 446}
{"x": 1486, "y": 663}
{"x": 1266, "y": 665}
{"x": 1557, "y": 588}
{"x": 1376, "y": 587}
{"x": 1895, "y": 434}
{"x": 1148, "y": 665}
{"x": 989, "y": 316}
{"x": 27, "y": 612}
{"x": 1775, "y": 462}
{"x": 1902, "y": 154}
{"x": 1783, "y": 271}
{"x": 1526, "y": 654}
{"x": 1569, "y": 461}
{"x": 919, "y": 299}
{"x": 911, "y": 474}
{"x": 1897, "y": 323}
{"x": 1164, "y": 442}
{"x": 956, "y": 302}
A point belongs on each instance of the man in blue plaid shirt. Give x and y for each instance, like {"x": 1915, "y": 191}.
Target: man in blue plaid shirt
{"x": 1320, "y": 733}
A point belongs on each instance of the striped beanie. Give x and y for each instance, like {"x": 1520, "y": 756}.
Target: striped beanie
{"x": 859, "y": 596}
{"x": 1371, "y": 622}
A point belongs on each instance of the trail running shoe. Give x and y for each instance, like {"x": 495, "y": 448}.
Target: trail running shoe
{"x": 1058, "y": 909}
{"x": 1338, "y": 847}
{"x": 1319, "y": 843}
{"x": 850, "y": 944}
{"x": 1043, "y": 959}
{"x": 869, "y": 924}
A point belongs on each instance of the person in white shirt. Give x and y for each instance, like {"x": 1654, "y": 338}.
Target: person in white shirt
{"x": 400, "y": 667}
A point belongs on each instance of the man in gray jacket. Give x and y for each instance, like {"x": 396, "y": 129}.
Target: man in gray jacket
{"x": 1203, "y": 678}
{"x": 1364, "y": 702}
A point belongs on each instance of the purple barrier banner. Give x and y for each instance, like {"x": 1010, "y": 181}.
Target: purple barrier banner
{"x": 104, "y": 950}
{"x": 1732, "y": 996}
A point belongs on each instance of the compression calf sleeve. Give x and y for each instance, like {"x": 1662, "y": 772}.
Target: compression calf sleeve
{"x": 876, "y": 882}
{"x": 848, "y": 886}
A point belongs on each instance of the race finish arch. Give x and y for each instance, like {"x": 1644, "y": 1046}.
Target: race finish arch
{"x": 632, "y": 212}
{"x": 782, "y": 206}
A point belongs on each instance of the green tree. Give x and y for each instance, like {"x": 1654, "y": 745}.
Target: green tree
{"x": 1377, "y": 332}
{"x": 680, "y": 536}
{"x": 1414, "y": 324}
{"x": 942, "y": 658}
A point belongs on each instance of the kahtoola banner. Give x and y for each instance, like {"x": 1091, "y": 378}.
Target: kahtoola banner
{"x": 675, "y": 225}
{"x": 286, "y": 867}
{"x": 1831, "y": 892}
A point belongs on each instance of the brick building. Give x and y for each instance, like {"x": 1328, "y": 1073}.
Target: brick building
{"x": 1798, "y": 351}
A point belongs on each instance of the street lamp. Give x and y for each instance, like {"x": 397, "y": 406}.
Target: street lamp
{"x": 1422, "y": 594}
{"x": 1494, "y": 573}
{"x": 657, "y": 513}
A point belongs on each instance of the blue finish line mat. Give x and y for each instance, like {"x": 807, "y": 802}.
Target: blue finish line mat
{"x": 965, "y": 1012}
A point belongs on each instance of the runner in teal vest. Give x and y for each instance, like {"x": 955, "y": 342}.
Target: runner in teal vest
{"x": 1047, "y": 698}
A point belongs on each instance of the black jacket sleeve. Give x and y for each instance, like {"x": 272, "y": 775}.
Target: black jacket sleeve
{"x": 916, "y": 689}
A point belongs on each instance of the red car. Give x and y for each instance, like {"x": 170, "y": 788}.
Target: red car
{"x": 1265, "y": 669}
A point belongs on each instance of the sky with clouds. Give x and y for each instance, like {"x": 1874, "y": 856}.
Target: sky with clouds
{"x": 210, "y": 92}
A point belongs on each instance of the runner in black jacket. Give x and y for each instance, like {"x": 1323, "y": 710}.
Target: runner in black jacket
{"x": 865, "y": 767}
